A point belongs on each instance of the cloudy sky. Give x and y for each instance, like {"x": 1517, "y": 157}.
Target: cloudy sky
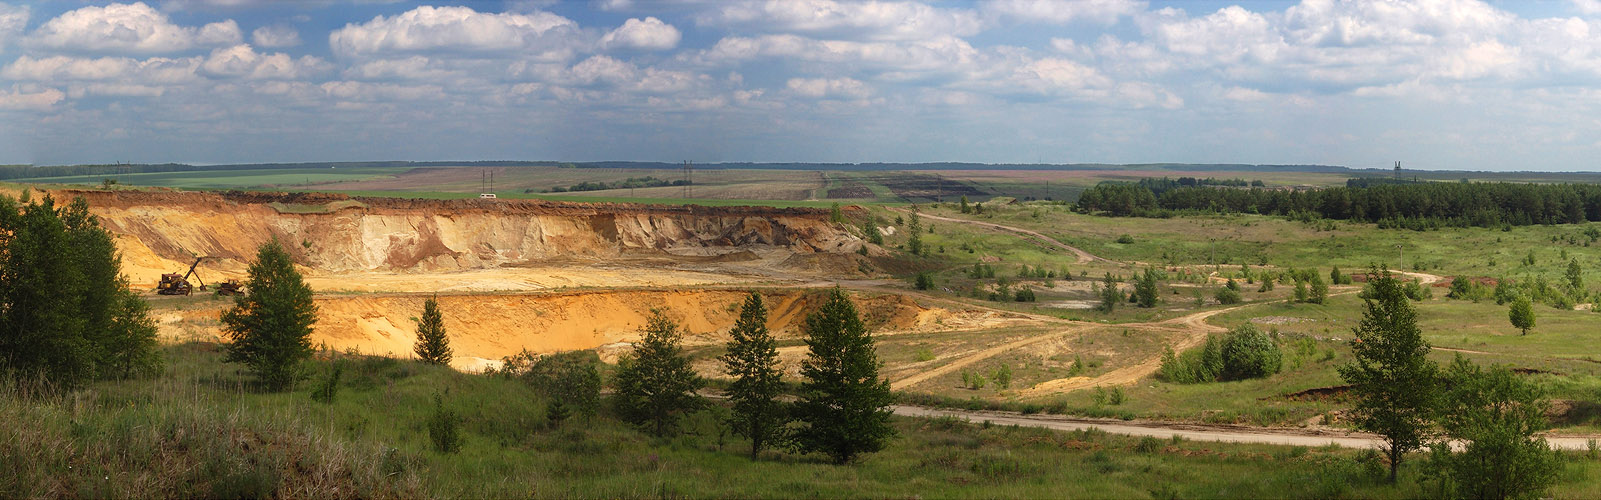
{"x": 1438, "y": 84}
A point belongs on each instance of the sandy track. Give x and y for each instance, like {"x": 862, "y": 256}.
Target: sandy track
{"x": 1196, "y": 432}
{"x": 970, "y": 359}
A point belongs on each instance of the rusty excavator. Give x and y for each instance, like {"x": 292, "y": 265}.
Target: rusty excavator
{"x": 176, "y": 284}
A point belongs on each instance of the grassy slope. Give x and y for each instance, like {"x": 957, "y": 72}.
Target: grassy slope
{"x": 199, "y": 430}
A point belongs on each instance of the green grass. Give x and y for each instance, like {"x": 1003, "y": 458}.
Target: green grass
{"x": 200, "y": 431}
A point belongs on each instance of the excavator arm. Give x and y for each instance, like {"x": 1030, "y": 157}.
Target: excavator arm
{"x": 192, "y": 273}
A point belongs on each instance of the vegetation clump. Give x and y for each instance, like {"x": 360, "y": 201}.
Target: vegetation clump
{"x": 655, "y": 384}
{"x": 1243, "y": 353}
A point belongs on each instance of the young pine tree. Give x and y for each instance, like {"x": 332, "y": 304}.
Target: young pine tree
{"x": 433, "y": 346}
{"x": 1496, "y": 414}
{"x": 655, "y": 384}
{"x": 1320, "y": 290}
{"x": 752, "y": 360}
{"x": 1109, "y": 293}
{"x": 914, "y": 241}
{"x": 966, "y": 209}
{"x": 843, "y": 405}
{"x": 1392, "y": 378}
{"x": 1145, "y": 289}
{"x": 269, "y": 327}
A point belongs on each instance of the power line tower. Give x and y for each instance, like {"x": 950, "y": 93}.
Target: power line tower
{"x": 689, "y": 179}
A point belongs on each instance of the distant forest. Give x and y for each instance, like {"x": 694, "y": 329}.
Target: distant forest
{"x": 1390, "y": 203}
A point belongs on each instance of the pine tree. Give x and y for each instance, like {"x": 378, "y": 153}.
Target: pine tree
{"x": 433, "y": 346}
{"x": 1392, "y": 378}
{"x": 1145, "y": 289}
{"x": 1521, "y": 313}
{"x": 965, "y": 207}
{"x": 914, "y": 242}
{"x": 1575, "y": 276}
{"x": 1320, "y": 290}
{"x": 873, "y": 235}
{"x": 752, "y": 360}
{"x": 1495, "y": 414}
{"x": 655, "y": 384}
{"x": 1110, "y": 295}
{"x": 269, "y": 327}
{"x": 843, "y": 405}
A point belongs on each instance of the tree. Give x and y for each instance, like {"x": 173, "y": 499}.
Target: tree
{"x": 923, "y": 281}
{"x": 570, "y": 380}
{"x": 66, "y": 313}
{"x": 871, "y": 231}
{"x": 433, "y": 346}
{"x": 752, "y": 360}
{"x": 269, "y": 327}
{"x": 1335, "y": 277}
{"x": 1110, "y": 295}
{"x": 965, "y": 208}
{"x": 1391, "y": 377}
{"x": 655, "y": 384}
{"x": 1320, "y": 290}
{"x": 1249, "y": 353}
{"x": 914, "y": 242}
{"x": 1496, "y": 414}
{"x": 1145, "y": 288}
{"x": 1521, "y": 313}
{"x": 1575, "y": 276}
{"x": 844, "y": 405}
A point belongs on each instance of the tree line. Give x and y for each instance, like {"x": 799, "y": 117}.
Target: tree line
{"x": 1409, "y": 205}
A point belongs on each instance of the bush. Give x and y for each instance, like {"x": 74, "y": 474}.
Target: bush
{"x": 1227, "y": 296}
{"x": 923, "y": 281}
{"x": 442, "y": 428}
{"x": 329, "y": 387}
{"x": 1249, "y": 353}
{"x": 1125, "y": 239}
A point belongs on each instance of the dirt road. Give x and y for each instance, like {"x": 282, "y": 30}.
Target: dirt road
{"x": 1196, "y": 432}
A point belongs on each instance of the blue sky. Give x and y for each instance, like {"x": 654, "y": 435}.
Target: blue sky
{"x": 1437, "y": 84}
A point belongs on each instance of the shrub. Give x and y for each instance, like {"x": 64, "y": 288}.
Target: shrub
{"x": 1249, "y": 353}
{"x": 1125, "y": 239}
{"x": 1227, "y": 296}
{"x": 329, "y": 387}
{"x": 923, "y": 281}
{"x": 442, "y": 428}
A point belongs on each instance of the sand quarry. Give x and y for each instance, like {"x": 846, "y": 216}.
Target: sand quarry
{"x": 511, "y": 275}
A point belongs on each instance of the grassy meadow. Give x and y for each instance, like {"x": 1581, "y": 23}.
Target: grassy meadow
{"x": 202, "y": 430}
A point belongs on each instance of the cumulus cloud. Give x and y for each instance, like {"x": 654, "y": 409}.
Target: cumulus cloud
{"x": 649, "y": 34}
{"x": 21, "y": 98}
{"x": 874, "y": 20}
{"x": 275, "y": 36}
{"x": 130, "y": 29}
{"x": 13, "y": 18}
{"x": 829, "y": 87}
{"x": 1062, "y": 11}
{"x": 426, "y": 29}
{"x": 242, "y": 61}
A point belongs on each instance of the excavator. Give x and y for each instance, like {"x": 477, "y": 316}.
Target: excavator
{"x": 175, "y": 284}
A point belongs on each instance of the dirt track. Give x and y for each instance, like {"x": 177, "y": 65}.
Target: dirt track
{"x": 1083, "y": 256}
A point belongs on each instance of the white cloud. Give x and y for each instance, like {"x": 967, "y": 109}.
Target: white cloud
{"x": 13, "y": 18}
{"x": 1063, "y": 11}
{"x": 127, "y": 28}
{"x": 275, "y": 36}
{"x": 27, "y": 98}
{"x": 829, "y": 87}
{"x": 455, "y": 29}
{"x": 937, "y": 54}
{"x": 649, "y": 34}
{"x": 241, "y": 61}
{"x": 873, "y": 20}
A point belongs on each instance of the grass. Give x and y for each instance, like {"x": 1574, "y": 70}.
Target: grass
{"x": 201, "y": 431}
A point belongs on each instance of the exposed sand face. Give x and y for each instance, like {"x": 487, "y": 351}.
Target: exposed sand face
{"x": 489, "y": 327}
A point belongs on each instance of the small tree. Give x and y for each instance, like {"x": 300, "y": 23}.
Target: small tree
{"x": 442, "y": 427}
{"x": 433, "y": 346}
{"x": 923, "y": 281}
{"x": 965, "y": 208}
{"x": 1392, "y": 378}
{"x": 1496, "y": 414}
{"x": 1521, "y": 313}
{"x": 1575, "y": 278}
{"x": 269, "y": 327}
{"x": 844, "y": 405}
{"x": 1249, "y": 353}
{"x": 752, "y": 360}
{"x": 1145, "y": 289}
{"x": 914, "y": 241}
{"x": 1110, "y": 295}
{"x": 1320, "y": 290}
{"x": 871, "y": 232}
{"x": 655, "y": 384}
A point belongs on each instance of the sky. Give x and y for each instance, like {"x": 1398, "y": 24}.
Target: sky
{"x": 1436, "y": 84}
